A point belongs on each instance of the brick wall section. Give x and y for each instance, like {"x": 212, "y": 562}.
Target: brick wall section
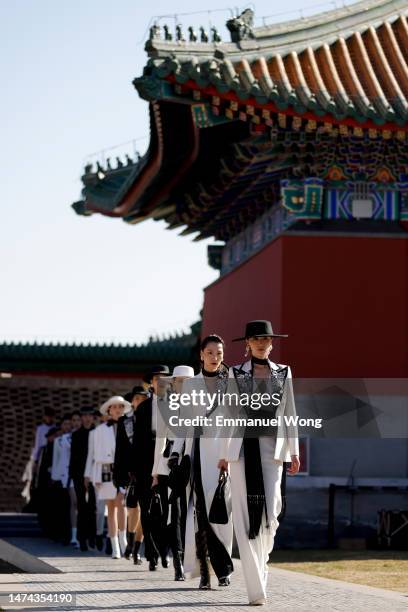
{"x": 22, "y": 402}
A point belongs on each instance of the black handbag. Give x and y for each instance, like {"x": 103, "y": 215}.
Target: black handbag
{"x": 155, "y": 507}
{"x": 218, "y": 511}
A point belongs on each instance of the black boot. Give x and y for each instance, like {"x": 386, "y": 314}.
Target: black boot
{"x": 153, "y": 565}
{"x": 137, "y": 559}
{"x": 201, "y": 547}
{"x": 130, "y": 543}
{"x": 99, "y": 542}
{"x": 205, "y": 583}
{"x": 178, "y": 567}
{"x": 108, "y": 546}
{"x": 83, "y": 545}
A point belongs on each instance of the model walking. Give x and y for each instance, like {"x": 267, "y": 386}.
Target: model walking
{"x": 124, "y": 474}
{"x": 104, "y": 441}
{"x": 208, "y": 540}
{"x": 255, "y": 463}
{"x": 175, "y": 504}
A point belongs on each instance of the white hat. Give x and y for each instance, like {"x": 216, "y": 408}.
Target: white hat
{"x": 115, "y": 399}
{"x": 181, "y": 370}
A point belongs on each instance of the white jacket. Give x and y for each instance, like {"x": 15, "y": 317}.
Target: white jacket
{"x": 103, "y": 451}
{"x": 40, "y": 440}
{"x": 192, "y": 411}
{"x": 162, "y": 435}
{"x": 287, "y": 440}
{"x": 61, "y": 456}
{"x": 90, "y": 458}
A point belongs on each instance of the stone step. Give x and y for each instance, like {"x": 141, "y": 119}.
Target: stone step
{"x": 13, "y": 524}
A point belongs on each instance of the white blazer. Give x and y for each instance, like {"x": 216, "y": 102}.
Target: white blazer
{"x": 61, "y": 455}
{"x": 90, "y": 458}
{"x": 104, "y": 445}
{"x": 163, "y": 434}
{"x": 40, "y": 440}
{"x": 287, "y": 439}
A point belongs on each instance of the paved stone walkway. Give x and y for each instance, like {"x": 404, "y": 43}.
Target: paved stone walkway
{"x": 102, "y": 583}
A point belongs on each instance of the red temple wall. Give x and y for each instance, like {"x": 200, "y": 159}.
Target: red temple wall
{"x": 343, "y": 300}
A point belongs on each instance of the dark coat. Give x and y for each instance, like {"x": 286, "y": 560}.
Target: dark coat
{"x": 125, "y": 454}
{"x": 45, "y": 465}
{"x": 135, "y": 442}
{"x": 79, "y": 453}
{"x": 144, "y": 440}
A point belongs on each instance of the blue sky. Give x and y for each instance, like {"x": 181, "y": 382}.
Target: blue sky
{"x": 66, "y": 69}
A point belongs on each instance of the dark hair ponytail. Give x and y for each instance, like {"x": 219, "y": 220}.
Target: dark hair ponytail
{"x": 211, "y": 338}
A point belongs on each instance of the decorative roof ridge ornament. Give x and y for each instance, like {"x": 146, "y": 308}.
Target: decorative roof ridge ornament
{"x": 203, "y": 35}
{"x": 167, "y": 34}
{"x": 241, "y": 27}
{"x": 216, "y": 38}
{"x": 154, "y": 32}
{"x": 179, "y": 33}
{"x": 192, "y": 36}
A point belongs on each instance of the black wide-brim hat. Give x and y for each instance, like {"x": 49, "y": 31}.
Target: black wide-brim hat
{"x": 157, "y": 369}
{"x": 259, "y": 328}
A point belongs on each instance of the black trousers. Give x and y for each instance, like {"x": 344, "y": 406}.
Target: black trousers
{"x": 206, "y": 540}
{"x": 45, "y": 508}
{"x": 86, "y": 504}
{"x": 177, "y": 527}
{"x": 62, "y": 521}
{"x": 53, "y": 511}
{"x": 150, "y": 543}
{"x": 160, "y": 529}
{"x": 170, "y": 534}
{"x": 159, "y": 537}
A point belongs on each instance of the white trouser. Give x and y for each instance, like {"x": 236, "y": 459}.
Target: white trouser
{"x": 254, "y": 554}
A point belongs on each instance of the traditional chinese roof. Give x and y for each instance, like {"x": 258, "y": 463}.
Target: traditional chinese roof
{"x": 278, "y": 101}
{"x": 100, "y": 358}
{"x": 350, "y": 62}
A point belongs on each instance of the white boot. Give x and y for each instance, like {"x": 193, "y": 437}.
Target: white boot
{"x": 122, "y": 541}
{"x": 74, "y": 540}
{"x": 115, "y": 547}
